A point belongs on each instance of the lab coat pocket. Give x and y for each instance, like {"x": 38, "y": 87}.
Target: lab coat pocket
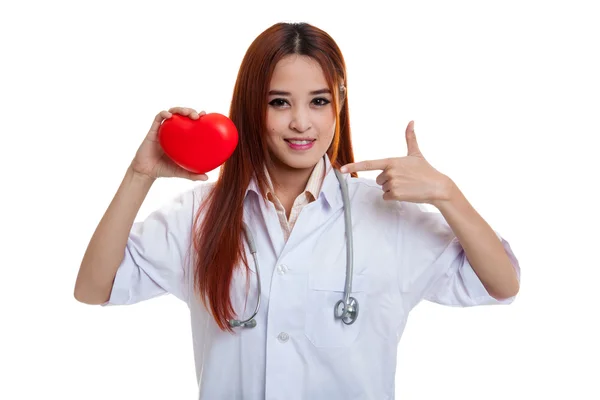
{"x": 322, "y": 328}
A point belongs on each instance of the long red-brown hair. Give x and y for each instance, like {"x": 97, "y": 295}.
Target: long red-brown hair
{"x": 218, "y": 241}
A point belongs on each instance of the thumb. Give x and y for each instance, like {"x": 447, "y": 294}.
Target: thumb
{"x": 411, "y": 140}
{"x": 196, "y": 177}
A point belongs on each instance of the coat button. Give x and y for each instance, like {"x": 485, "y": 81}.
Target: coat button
{"x": 282, "y": 269}
{"x": 283, "y": 337}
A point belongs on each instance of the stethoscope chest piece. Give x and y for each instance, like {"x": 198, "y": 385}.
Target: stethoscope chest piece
{"x": 347, "y": 312}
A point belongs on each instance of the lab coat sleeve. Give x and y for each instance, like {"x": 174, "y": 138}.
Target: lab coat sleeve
{"x": 156, "y": 257}
{"x": 435, "y": 266}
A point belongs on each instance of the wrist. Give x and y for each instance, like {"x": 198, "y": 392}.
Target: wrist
{"x": 139, "y": 177}
{"x": 448, "y": 191}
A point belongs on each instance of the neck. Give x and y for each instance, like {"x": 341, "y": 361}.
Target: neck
{"x": 289, "y": 182}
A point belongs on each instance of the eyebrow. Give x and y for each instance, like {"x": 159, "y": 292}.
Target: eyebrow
{"x": 282, "y": 93}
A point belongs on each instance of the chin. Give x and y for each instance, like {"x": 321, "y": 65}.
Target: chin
{"x": 299, "y": 161}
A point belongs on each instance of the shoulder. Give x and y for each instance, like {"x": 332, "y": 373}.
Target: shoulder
{"x": 362, "y": 183}
{"x": 366, "y": 199}
{"x": 188, "y": 201}
{"x": 367, "y": 192}
{"x": 202, "y": 190}
{"x": 363, "y": 187}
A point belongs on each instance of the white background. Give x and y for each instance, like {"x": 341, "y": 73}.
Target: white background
{"x": 505, "y": 99}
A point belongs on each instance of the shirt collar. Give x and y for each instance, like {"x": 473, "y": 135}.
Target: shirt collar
{"x": 322, "y": 176}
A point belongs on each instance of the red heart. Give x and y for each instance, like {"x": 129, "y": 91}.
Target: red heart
{"x": 199, "y": 145}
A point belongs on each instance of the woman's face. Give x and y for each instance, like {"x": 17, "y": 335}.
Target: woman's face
{"x": 300, "y": 113}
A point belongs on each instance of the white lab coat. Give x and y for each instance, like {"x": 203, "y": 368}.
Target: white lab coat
{"x": 402, "y": 255}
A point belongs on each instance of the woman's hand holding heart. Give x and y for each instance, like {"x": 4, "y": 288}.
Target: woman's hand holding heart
{"x": 151, "y": 162}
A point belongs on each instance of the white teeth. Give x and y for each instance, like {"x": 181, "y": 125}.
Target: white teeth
{"x": 300, "y": 142}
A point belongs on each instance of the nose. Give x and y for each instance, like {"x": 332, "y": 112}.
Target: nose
{"x": 300, "y": 120}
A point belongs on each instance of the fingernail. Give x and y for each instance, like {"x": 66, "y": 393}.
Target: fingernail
{"x": 344, "y": 169}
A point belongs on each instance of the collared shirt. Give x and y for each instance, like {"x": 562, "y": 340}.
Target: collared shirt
{"x": 310, "y": 194}
{"x": 403, "y": 254}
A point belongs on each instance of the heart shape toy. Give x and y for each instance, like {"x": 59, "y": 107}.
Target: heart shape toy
{"x": 199, "y": 145}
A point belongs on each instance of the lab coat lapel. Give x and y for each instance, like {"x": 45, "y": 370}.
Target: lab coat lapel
{"x": 314, "y": 215}
{"x": 262, "y": 213}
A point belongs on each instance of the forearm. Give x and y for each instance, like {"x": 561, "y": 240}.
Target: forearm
{"x": 481, "y": 245}
{"x": 106, "y": 248}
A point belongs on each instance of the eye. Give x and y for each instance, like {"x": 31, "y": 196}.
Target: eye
{"x": 320, "y": 101}
{"x": 279, "y": 103}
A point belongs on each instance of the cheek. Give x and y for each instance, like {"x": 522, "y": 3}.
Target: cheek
{"x": 274, "y": 124}
{"x": 327, "y": 125}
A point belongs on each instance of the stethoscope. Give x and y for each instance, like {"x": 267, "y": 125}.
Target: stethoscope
{"x": 345, "y": 309}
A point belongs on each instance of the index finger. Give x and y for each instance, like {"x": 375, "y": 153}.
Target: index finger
{"x": 160, "y": 117}
{"x": 369, "y": 165}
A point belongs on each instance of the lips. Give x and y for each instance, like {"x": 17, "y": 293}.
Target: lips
{"x": 300, "y": 142}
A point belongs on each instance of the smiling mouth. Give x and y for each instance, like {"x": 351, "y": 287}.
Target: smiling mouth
{"x": 300, "y": 142}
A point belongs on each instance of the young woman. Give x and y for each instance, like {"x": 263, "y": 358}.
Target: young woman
{"x": 299, "y": 277}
